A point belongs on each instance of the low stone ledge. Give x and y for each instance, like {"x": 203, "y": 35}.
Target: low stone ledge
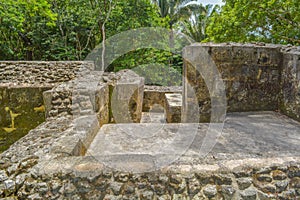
{"x": 46, "y": 176}
{"x": 239, "y": 168}
{"x": 79, "y": 138}
{"x": 88, "y": 178}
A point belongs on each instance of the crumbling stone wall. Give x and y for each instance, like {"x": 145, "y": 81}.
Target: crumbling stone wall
{"x": 94, "y": 92}
{"x": 77, "y": 99}
{"x": 22, "y": 84}
{"x": 257, "y": 77}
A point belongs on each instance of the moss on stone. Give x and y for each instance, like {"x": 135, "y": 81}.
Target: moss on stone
{"x": 25, "y": 102}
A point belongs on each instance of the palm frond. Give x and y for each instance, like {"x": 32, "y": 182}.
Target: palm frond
{"x": 195, "y": 26}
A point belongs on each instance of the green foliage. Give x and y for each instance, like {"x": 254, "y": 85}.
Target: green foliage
{"x": 175, "y": 10}
{"x": 70, "y": 29}
{"x": 67, "y": 29}
{"x": 274, "y": 21}
{"x": 147, "y": 56}
{"x": 159, "y": 74}
{"x": 18, "y": 18}
{"x": 195, "y": 26}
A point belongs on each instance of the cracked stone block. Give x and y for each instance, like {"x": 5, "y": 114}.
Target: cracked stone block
{"x": 210, "y": 191}
{"x": 244, "y": 183}
{"x": 248, "y": 194}
{"x": 281, "y": 185}
{"x": 3, "y": 176}
{"x": 278, "y": 175}
{"x": 228, "y": 191}
{"x": 265, "y": 196}
{"x": 264, "y": 178}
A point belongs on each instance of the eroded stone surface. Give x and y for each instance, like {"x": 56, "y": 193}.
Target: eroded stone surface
{"x": 30, "y": 170}
{"x": 245, "y": 135}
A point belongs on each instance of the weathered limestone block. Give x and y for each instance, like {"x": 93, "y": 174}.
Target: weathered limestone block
{"x": 127, "y": 97}
{"x": 249, "y": 194}
{"x": 173, "y": 107}
{"x": 77, "y": 141}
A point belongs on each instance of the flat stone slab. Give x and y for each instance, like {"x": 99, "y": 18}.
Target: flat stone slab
{"x": 245, "y": 135}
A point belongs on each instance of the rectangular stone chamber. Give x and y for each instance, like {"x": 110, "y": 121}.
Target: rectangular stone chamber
{"x": 256, "y": 78}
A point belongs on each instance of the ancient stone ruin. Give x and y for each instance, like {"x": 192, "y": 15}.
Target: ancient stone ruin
{"x": 101, "y": 135}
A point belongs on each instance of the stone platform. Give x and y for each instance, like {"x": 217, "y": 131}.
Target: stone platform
{"x": 72, "y": 156}
{"x": 258, "y": 135}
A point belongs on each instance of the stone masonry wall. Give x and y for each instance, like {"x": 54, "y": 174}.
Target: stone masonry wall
{"x": 290, "y": 103}
{"x": 38, "y": 72}
{"x": 256, "y": 77}
{"x": 92, "y": 93}
{"x": 78, "y": 99}
{"x": 274, "y": 182}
